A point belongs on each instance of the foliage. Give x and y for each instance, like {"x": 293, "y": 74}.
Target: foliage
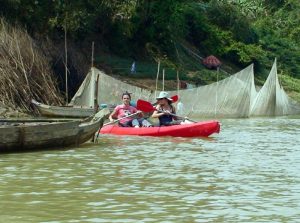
{"x": 280, "y": 34}
{"x": 291, "y": 85}
{"x": 238, "y": 31}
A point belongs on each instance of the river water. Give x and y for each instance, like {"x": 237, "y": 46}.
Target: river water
{"x": 250, "y": 172}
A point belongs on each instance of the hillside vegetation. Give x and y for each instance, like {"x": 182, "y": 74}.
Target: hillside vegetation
{"x": 178, "y": 33}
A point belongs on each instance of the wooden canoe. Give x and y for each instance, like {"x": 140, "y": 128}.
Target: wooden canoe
{"x": 28, "y": 135}
{"x": 62, "y": 111}
{"x": 67, "y": 111}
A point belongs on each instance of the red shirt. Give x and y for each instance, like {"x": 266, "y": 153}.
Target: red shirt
{"x": 125, "y": 110}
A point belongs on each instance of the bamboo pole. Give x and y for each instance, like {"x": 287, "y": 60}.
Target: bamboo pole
{"x": 93, "y": 54}
{"x": 163, "y": 81}
{"x": 178, "y": 82}
{"x": 66, "y": 62}
{"x": 156, "y": 82}
{"x": 216, "y": 102}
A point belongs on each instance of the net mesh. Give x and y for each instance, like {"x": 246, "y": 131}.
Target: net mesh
{"x": 232, "y": 97}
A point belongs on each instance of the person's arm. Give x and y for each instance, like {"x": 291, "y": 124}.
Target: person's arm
{"x": 174, "y": 112}
{"x": 113, "y": 114}
{"x": 176, "y": 117}
{"x": 139, "y": 113}
{"x": 157, "y": 114}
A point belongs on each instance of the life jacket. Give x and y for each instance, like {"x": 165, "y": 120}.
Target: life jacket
{"x": 166, "y": 119}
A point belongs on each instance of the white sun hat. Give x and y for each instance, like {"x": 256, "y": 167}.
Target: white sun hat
{"x": 164, "y": 94}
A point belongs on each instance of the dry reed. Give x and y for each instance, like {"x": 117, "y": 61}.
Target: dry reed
{"x": 25, "y": 72}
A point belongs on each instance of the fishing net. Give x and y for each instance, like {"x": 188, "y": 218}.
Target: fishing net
{"x": 232, "y": 97}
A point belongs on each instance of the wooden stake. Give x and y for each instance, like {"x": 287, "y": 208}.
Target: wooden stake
{"x": 163, "y": 82}
{"x": 66, "y": 62}
{"x": 158, "y": 66}
{"x": 178, "y": 82}
{"x": 93, "y": 54}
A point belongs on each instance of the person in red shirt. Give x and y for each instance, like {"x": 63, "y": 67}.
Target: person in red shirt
{"x": 125, "y": 112}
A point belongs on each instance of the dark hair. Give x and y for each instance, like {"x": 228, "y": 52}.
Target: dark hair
{"x": 126, "y": 93}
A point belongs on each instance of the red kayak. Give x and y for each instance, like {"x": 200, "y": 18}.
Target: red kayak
{"x": 198, "y": 129}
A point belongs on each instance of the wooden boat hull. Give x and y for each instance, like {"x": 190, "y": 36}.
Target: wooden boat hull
{"x": 63, "y": 111}
{"x": 66, "y": 111}
{"x": 41, "y": 135}
{"x": 199, "y": 129}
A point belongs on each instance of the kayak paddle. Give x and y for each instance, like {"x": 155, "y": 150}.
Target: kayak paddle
{"x": 146, "y": 106}
{"x": 114, "y": 121}
{"x": 174, "y": 99}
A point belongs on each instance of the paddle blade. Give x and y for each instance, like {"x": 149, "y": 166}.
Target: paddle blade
{"x": 144, "y": 106}
{"x": 174, "y": 98}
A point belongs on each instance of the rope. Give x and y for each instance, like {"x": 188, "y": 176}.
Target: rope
{"x": 201, "y": 58}
{"x": 190, "y": 51}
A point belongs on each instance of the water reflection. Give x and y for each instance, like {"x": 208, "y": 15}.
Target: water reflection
{"x": 248, "y": 173}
